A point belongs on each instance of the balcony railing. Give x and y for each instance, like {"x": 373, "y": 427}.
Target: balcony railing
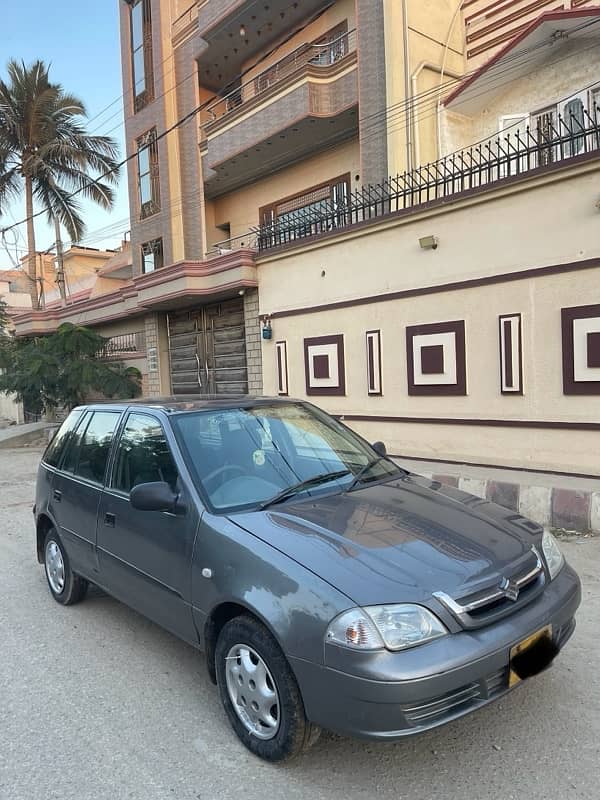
{"x": 124, "y": 344}
{"x": 248, "y": 240}
{"x": 484, "y": 164}
{"x": 315, "y": 54}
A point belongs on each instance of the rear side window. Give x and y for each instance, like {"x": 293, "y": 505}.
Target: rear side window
{"x": 143, "y": 455}
{"x": 88, "y": 456}
{"x": 58, "y": 444}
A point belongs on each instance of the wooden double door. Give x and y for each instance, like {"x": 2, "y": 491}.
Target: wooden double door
{"x": 207, "y": 350}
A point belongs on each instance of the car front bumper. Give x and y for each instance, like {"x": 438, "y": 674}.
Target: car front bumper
{"x": 388, "y": 695}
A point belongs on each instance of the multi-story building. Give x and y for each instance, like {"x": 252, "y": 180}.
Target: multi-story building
{"x": 403, "y": 193}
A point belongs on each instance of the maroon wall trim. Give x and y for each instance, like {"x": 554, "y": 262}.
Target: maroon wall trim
{"x": 456, "y": 327}
{"x": 486, "y": 423}
{"x": 374, "y": 364}
{"x": 568, "y": 316}
{"x": 470, "y": 283}
{"x": 283, "y": 387}
{"x": 509, "y": 377}
{"x": 340, "y": 389}
{"x": 495, "y": 466}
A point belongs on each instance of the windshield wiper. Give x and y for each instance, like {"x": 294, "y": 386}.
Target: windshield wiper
{"x": 369, "y": 465}
{"x": 316, "y": 480}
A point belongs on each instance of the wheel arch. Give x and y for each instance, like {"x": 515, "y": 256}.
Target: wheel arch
{"x": 43, "y": 524}
{"x": 218, "y": 618}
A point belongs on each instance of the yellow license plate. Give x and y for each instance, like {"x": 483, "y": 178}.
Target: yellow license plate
{"x": 525, "y": 644}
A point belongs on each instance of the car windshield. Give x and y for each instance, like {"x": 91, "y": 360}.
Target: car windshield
{"x": 254, "y": 457}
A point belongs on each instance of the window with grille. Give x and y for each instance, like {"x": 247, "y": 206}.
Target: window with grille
{"x": 152, "y": 255}
{"x": 543, "y": 127}
{"x": 148, "y": 177}
{"x": 314, "y": 202}
{"x": 141, "y": 54}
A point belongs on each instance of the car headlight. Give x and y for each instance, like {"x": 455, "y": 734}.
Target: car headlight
{"x": 552, "y": 554}
{"x": 394, "y": 627}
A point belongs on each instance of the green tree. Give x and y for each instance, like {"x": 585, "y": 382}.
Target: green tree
{"x": 63, "y": 369}
{"x": 3, "y": 316}
{"x": 45, "y": 151}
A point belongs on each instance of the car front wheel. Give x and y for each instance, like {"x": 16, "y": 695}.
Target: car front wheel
{"x": 259, "y": 692}
{"x": 66, "y": 587}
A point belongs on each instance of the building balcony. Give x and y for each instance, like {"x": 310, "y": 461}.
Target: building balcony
{"x": 303, "y": 103}
{"x": 235, "y": 31}
{"x": 502, "y": 161}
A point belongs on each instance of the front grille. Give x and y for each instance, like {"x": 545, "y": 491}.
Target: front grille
{"x": 446, "y": 706}
{"x": 486, "y": 605}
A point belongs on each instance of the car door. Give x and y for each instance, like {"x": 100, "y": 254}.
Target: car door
{"x": 77, "y": 487}
{"x": 145, "y": 556}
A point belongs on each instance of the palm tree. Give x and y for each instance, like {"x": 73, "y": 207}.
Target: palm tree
{"x": 45, "y": 150}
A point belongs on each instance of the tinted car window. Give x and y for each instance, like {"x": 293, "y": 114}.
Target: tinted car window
{"x": 58, "y": 444}
{"x": 73, "y": 442}
{"x": 143, "y": 455}
{"x": 88, "y": 459}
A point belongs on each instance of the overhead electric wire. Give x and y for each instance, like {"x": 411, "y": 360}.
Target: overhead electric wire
{"x": 197, "y": 193}
{"x": 176, "y": 125}
{"x": 378, "y": 118}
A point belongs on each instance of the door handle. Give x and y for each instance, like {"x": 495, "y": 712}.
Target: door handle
{"x": 110, "y": 519}
{"x": 198, "y": 371}
{"x": 57, "y": 495}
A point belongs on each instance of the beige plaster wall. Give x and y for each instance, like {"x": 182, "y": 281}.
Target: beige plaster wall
{"x": 435, "y": 37}
{"x": 568, "y": 69}
{"x": 529, "y": 225}
{"x": 10, "y": 409}
{"x": 240, "y": 208}
{"x": 498, "y": 236}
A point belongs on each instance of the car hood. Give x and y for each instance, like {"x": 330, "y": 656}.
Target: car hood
{"x": 398, "y": 541}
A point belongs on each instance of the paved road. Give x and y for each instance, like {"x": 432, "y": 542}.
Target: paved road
{"x": 96, "y": 702}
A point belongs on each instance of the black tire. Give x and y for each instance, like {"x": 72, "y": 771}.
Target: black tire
{"x": 74, "y": 588}
{"x": 295, "y": 733}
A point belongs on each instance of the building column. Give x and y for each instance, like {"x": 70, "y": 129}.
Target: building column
{"x": 372, "y": 98}
{"x": 253, "y": 346}
{"x": 153, "y": 379}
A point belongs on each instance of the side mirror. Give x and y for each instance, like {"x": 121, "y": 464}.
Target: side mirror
{"x": 156, "y": 496}
{"x": 379, "y": 448}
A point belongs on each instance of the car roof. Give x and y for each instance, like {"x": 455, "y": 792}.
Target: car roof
{"x": 184, "y": 403}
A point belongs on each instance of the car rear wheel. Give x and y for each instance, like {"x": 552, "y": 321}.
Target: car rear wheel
{"x": 259, "y": 692}
{"x": 66, "y": 587}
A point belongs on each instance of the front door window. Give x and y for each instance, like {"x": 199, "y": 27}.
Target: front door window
{"x": 143, "y": 455}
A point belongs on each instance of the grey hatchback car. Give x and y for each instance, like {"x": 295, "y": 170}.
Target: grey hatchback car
{"x": 327, "y": 586}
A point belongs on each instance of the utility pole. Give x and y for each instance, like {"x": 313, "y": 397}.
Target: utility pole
{"x": 60, "y": 266}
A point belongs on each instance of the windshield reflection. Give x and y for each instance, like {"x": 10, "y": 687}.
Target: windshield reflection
{"x": 246, "y": 457}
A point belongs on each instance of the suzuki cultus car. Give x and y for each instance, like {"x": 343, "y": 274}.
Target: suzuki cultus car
{"x": 327, "y": 586}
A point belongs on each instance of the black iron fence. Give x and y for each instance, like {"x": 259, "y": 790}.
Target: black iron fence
{"x": 126, "y": 343}
{"x": 508, "y": 155}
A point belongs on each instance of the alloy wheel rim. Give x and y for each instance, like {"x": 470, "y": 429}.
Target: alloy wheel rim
{"x": 252, "y": 691}
{"x": 55, "y": 567}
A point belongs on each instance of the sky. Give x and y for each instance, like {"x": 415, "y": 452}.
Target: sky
{"x": 81, "y": 42}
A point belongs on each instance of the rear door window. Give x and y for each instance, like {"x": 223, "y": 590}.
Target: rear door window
{"x": 61, "y": 439}
{"x": 88, "y": 456}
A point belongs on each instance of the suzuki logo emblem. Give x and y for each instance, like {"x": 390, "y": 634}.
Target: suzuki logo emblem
{"x": 510, "y": 589}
